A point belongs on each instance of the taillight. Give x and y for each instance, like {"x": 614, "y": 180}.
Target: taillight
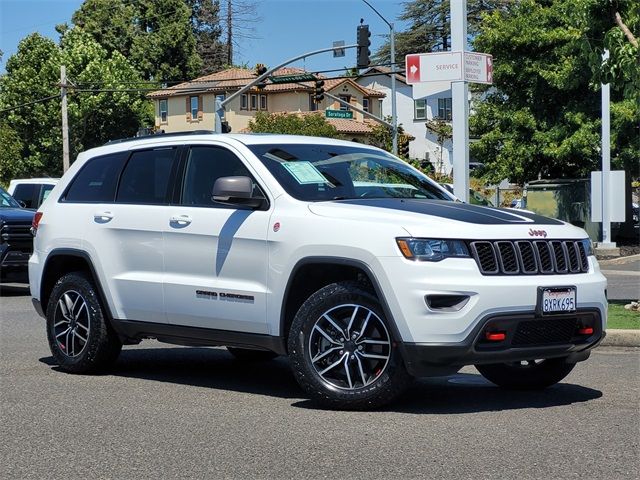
{"x": 35, "y": 222}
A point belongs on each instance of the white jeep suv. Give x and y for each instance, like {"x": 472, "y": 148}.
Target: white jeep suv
{"x": 340, "y": 256}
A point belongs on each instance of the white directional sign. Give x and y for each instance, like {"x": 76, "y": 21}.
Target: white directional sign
{"x": 478, "y": 67}
{"x": 449, "y": 66}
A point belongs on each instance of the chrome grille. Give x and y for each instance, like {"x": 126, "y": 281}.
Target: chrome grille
{"x": 525, "y": 257}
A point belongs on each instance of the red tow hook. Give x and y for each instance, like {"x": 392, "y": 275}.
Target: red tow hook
{"x": 585, "y": 330}
{"x": 495, "y": 336}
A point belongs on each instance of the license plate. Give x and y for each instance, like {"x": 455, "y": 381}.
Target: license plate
{"x": 557, "y": 300}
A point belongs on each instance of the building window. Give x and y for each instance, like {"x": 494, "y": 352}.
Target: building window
{"x": 164, "y": 112}
{"x": 313, "y": 106}
{"x": 194, "y": 108}
{"x": 380, "y": 107}
{"x": 365, "y": 104}
{"x": 221, "y": 98}
{"x": 444, "y": 108}
{"x": 244, "y": 103}
{"x": 254, "y": 102}
{"x": 263, "y": 102}
{"x": 346, "y": 98}
{"x": 420, "y": 109}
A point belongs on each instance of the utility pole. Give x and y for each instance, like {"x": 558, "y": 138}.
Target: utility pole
{"x": 229, "y": 33}
{"x": 65, "y": 121}
{"x": 606, "y": 163}
{"x": 460, "y": 105}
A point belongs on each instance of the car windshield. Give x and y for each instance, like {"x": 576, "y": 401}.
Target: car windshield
{"x": 7, "y": 200}
{"x": 335, "y": 172}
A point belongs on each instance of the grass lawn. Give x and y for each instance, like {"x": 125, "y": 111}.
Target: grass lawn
{"x": 621, "y": 318}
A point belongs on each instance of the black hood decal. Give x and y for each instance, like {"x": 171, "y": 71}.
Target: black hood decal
{"x": 463, "y": 212}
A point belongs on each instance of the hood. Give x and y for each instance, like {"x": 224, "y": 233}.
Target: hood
{"x": 16, "y": 216}
{"x": 441, "y": 218}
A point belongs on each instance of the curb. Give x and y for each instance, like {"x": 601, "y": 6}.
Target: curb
{"x": 622, "y": 338}
{"x": 619, "y": 260}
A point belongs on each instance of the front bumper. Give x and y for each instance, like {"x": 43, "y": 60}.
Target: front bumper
{"x": 527, "y": 336}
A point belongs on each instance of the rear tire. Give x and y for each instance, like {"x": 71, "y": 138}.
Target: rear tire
{"x": 248, "y": 355}
{"x": 528, "y": 375}
{"x": 80, "y": 338}
{"x": 342, "y": 351}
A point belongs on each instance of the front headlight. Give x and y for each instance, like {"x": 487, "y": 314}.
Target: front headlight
{"x": 432, "y": 250}
{"x": 588, "y": 247}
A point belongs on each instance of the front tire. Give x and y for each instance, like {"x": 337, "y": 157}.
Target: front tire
{"x": 527, "y": 375}
{"x": 342, "y": 351}
{"x": 79, "y": 336}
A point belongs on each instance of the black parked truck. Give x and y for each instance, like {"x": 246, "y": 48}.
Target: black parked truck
{"x": 16, "y": 241}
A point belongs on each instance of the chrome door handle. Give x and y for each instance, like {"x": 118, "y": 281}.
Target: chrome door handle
{"x": 102, "y": 217}
{"x": 180, "y": 220}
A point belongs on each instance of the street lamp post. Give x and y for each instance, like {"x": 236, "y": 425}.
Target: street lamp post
{"x": 394, "y": 116}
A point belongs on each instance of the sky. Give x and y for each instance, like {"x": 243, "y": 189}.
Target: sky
{"x": 284, "y": 29}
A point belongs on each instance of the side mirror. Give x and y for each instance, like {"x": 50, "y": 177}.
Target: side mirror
{"x": 236, "y": 191}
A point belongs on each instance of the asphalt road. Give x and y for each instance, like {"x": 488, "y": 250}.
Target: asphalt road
{"x": 623, "y": 276}
{"x": 173, "y": 412}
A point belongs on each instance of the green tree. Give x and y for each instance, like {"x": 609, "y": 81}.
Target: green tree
{"x": 11, "y": 165}
{"x": 33, "y": 73}
{"x": 542, "y": 116}
{"x": 205, "y": 23}
{"x": 313, "y": 125}
{"x": 430, "y": 27}
{"x": 157, "y": 36}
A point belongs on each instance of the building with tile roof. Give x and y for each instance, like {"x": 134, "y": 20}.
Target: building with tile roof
{"x": 190, "y": 105}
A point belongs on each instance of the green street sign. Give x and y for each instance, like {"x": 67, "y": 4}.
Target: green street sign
{"x": 338, "y": 114}
{"x": 302, "y": 77}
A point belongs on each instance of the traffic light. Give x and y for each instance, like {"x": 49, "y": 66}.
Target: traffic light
{"x": 403, "y": 146}
{"x": 363, "y": 46}
{"x": 318, "y": 92}
{"x": 260, "y": 70}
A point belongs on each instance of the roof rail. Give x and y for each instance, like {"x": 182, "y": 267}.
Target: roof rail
{"x": 160, "y": 134}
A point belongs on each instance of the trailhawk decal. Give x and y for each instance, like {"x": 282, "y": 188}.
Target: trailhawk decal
{"x": 462, "y": 212}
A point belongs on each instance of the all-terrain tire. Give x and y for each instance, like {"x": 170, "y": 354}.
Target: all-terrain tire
{"x": 372, "y": 384}
{"x": 531, "y": 375}
{"x": 80, "y": 337}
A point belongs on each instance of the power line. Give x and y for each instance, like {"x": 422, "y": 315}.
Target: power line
{"x": 40, "y": 100}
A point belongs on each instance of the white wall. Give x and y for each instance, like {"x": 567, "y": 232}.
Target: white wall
{"x": 425, "y": 142}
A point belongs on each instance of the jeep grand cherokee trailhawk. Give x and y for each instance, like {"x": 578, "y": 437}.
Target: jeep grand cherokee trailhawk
{"x": 344, "y": 258}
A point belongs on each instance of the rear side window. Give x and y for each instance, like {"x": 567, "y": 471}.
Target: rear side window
{"x": 24, "y": 193}
{"x": 146, "y": 177}
{"x": 97, "y": 180}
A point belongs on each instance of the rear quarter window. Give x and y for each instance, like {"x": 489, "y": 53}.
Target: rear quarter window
{"x": 97, "y": 179}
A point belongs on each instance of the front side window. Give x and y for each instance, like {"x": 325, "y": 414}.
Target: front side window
{"x": 444, "y": 108}
{"x": 146, "y": 177}
{"x": 328, "y": 172}
{"x": 204, "y": 166}
{"x": 96, "y": 182}
{"x": 164, "y": 111}
{"x": 420, "y": 109}
{"x": 194, "y": 108}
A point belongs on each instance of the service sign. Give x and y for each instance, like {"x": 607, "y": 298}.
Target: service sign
{"x": 449, "y": 66}
{"x": 433, "y": 67}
